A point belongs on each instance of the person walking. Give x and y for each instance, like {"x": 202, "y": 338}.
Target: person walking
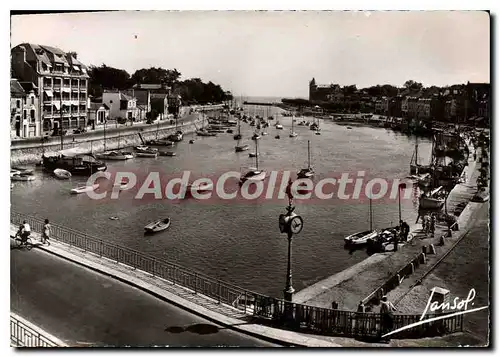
{"x": 387, "y": 318}
{"x": 405, "y": 230}
{"x": 432, "y": 225}
{"x": 46, "y": 232}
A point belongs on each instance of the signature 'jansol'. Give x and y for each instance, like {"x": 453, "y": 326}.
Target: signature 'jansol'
{"x": 458, "y": 304}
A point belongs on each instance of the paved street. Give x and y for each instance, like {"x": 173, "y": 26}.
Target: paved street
{"x": 84, "y": 308}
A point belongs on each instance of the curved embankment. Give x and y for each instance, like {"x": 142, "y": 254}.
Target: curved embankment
{"x": 30, "y": 150}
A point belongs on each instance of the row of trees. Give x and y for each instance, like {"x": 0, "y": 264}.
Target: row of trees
{"x": 192, "y": 91}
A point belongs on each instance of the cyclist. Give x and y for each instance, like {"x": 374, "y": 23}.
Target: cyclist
{"x": 26, "y": 232}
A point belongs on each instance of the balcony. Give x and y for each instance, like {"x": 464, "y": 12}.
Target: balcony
{"x": 47, "y": 115}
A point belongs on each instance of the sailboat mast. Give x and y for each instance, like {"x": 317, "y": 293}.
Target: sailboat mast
{"x": 371, "y": 216}
{"x": 256, "y": 155}
{"x": 308, "y": 155}
{"x": 416, "y": 151}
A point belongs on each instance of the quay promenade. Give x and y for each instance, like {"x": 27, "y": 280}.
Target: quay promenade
{"x": 84, "y": 308}
{"x": 363, "y": 281}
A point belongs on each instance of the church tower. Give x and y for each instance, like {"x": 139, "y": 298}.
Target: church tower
{"x": 312, "y": 89}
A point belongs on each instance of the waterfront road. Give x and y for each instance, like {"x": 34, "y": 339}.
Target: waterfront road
{"x": 84, "y": 308}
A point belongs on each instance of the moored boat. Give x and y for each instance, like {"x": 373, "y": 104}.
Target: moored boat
{"x": 360, "y": 237}
{"x": 82, "y": 189}
{"x": 157, "y": 226}
{"x": 307, "y": 172}
{"x": 114, "y": 155}
{"x": 22, "y": 177}
{"x": 167, "y": 153}
{"x": 77, "y": 161}
{"x": 62, "y": 174}
{"x": 240, "y": 148}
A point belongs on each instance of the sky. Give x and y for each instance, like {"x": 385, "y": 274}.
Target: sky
{"x": 257, "y": 53}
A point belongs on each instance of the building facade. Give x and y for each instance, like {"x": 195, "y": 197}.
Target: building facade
{"x": 121, "y": 106}
{"x": 24, "y": 115}
{"x": 159, "y": 105}
{"x": 324, "y": 93}
{"x": 98, "y": 114}
{"x": 62, "y": 81}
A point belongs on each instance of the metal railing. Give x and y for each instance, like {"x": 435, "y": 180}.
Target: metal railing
{"x": 21, "y": 335}
{"x": 272, "y": 310}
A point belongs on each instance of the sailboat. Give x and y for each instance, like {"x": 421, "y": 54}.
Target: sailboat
{"x": 240, "y": 148}
{"x": 362, "y": 237}
{"x": 415, "y": 167}
{"x": 318, "y": 130}
{"x": 114, "y": 154}
{"x": 203, "y": 131}
{"x": 307, "y": 172}
{"x": 293, "y": 134}
{"x": 238, "y": 136}
{"x": 433, "y": 197}
{"x": 254, "y": 174}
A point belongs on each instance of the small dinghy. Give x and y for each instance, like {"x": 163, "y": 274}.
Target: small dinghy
{"x": 191, "y": 141}
{"x": 157, "y": 226}
{"x": 22, "y": 170}
{"x": 252, "y": 154}
{"x": 167, "y": 153}
{"x": 22, "y": 177}
{"x": 62, "y": 174}
{"x": 82, "y": 189}
{"x": 277, "y": 137}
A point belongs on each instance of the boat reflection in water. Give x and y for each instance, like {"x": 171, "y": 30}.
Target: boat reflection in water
{"x": 77, "y": 161}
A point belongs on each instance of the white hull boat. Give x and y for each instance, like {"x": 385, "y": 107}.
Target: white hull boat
{"x": 114, "y": 155}
{"x": 279, "y": 127}
{"x": 253, "y": 176}
{"x": 82, "y": 189}
{"x": 146, "y": 154}
{"x": 360, "y": 237}
{"x": 157, "y": 226}
{"x": 62, "y": 174}
{"x": 241, "y": 148}
{"x": 293, "y": 135}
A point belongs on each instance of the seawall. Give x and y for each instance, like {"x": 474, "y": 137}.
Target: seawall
{"x": 28, "y": 151}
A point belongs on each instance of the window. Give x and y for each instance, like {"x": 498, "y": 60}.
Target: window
{"x": 32, "y": 100}
{"x": 32, "y": 115}
{"x": 24, "y": 114}
{"x": 18, "y": 104}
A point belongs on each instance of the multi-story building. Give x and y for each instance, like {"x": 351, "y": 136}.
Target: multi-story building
{"x": 143, "y": 97}
{"x": 382, "y": 105}
{"x": 395, "y": 106}
{"x": 24, "y": 116}
{"x": 159, "y": 105}
{"x": 62, "y": 81}
{"x": 321, "y": 92}
{"x": 423, "y": 108}
{"x": 121, "y": 106}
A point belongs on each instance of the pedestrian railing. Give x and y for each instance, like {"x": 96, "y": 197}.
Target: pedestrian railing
{"x": 268, "y": 309}
{"x": 22, "y": 335}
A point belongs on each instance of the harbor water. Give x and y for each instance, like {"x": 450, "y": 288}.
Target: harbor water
{"x": 240, "y": 241}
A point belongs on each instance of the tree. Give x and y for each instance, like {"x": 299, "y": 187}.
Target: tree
{"x": 104, "y": 77}
{"x": 155, "y": 75}
{"x": 411, "y": 84}
{"x": 349, "y": 90}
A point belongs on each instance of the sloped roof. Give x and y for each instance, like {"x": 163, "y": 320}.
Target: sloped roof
{"x": 16, "y": 90}
{"x": 161, "y": 96}
{"x": 29, "y": 86}
{"x": 96, "y": 106}
{"x": 140, "y": 94}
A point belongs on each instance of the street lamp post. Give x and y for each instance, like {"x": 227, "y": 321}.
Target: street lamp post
{"x": 289, "y": 223}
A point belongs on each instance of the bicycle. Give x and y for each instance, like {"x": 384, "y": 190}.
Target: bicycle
{"x": 20, "y": 242}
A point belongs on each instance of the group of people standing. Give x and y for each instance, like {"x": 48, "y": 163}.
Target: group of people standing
{"x": 429, "y": 224}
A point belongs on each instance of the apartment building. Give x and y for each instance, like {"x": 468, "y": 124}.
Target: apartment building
{"x": 62, "y": 81}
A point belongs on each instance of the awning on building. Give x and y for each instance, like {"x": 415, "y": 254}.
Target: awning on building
{"x": 67, "y": 90}
{"x": 57, "y": 105}
{"x": 49, "y": 93}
